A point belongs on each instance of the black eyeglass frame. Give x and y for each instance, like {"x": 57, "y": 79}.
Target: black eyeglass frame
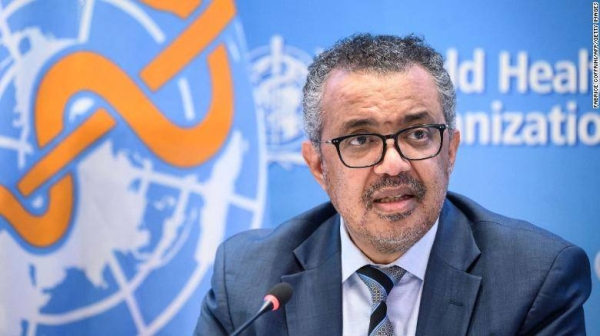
{"x": 336, "y": 142}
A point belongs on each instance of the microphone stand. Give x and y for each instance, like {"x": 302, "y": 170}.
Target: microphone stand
{"x": 265, "y": 307}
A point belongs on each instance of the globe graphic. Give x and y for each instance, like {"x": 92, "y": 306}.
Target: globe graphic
{"x": 143, "y": 234}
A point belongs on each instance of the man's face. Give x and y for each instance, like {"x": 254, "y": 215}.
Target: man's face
{"x": 388, "y": 207}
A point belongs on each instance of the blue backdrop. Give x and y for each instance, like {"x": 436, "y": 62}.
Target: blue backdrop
{"x": 137, "y": 135}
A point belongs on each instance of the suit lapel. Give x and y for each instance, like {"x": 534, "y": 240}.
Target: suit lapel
{"x": 316, "y": 306}
{"x": 449, "y": 292}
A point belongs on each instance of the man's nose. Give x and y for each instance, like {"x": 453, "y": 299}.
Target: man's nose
{"x": 393, "y": 163}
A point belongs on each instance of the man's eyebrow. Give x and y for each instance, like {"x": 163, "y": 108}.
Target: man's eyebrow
{"x": 422, "y": 116}
{"x": 355, "y": 123}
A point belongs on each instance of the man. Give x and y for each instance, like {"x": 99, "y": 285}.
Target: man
{"x": 379, "y": 113}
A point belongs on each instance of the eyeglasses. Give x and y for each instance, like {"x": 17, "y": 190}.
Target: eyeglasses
{"x": 418, "y": 142}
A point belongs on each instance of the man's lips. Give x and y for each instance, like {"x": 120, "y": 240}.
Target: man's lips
{"x": 394, "y": 200}
{"x": 388, "y": 195}
{"x": 390, "y": 199}
{"x": 400, "y": 193}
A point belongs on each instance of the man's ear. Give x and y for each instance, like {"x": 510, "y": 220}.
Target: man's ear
{"x": 453, "y": 149}
{"x": 314, "y": 162}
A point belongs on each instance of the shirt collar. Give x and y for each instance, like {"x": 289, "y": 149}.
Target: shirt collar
{"x": 414, "y": 261}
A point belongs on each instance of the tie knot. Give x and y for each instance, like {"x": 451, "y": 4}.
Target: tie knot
{"x": 380, "y": 280}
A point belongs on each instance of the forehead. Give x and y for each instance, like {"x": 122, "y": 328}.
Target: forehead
{"x": 376, "y": 101}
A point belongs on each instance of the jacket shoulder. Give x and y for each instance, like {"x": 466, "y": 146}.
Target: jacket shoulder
{"x": 499, "y": 229}
{"x": 531, "y": 278}
{"x": 290, "y": 233}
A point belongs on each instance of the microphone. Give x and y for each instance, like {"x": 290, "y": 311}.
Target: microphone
{"x": 277, "y": 297}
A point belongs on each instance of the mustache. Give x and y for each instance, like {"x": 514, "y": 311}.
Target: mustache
{"x": 403, "y": 179}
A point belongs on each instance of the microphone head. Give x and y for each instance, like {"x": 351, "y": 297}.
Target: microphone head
{"x": 279, "y": 294}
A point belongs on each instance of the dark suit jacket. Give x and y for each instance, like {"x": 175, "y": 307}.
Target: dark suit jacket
{"x": 487, "y": 275}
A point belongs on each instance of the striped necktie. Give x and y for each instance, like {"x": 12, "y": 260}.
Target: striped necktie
{"x": 380, "y": 282}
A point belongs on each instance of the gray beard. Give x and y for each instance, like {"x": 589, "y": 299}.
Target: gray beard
{"x": 399, "y": 243}
{"x": 394, "y": 242}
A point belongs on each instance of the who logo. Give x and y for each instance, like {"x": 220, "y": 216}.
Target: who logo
{"x": 129, "y": 150}
{"x": 278, "y": 73}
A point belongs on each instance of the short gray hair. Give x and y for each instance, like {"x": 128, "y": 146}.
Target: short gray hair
{"x": 379, "y": 53}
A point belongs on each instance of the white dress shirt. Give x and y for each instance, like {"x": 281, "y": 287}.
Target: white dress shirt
{"x": 403, "y": 302}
